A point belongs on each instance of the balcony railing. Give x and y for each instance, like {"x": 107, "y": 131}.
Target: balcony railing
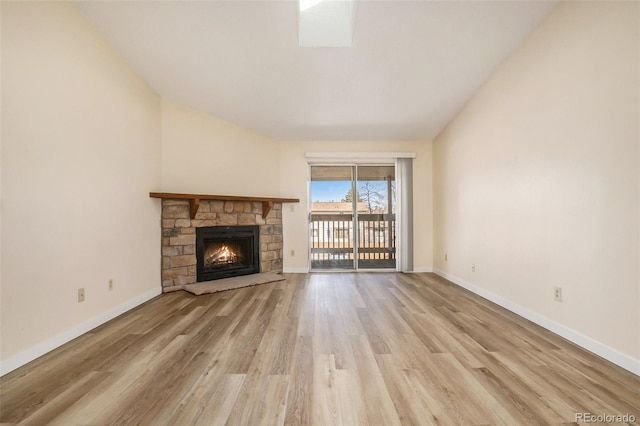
{"x": 332, "y": 241}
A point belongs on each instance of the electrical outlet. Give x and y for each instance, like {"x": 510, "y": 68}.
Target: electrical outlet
{"x": 557, "y": 294}
{"x": 110, "y": 284}
{"x": 80, "y": 295}
{"x": 293, "y": 253}
{"x": 292, "y": 208}
{"x": 473, "y": 267}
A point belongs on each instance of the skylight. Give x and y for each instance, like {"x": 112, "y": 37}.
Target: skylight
{"x": 326, "y": 23}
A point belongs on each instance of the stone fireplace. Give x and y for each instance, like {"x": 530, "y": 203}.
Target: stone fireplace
{"x": 179, "y": 234}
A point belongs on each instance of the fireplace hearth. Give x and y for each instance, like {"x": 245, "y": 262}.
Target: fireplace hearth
{"x": 227, "y": 251}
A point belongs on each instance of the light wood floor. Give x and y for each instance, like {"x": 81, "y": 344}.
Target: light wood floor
{"x": 352, "y": 349}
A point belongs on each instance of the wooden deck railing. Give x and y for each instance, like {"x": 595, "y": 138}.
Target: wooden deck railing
{"x": 332, "y": 239}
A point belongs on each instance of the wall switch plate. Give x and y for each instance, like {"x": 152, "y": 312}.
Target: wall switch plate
{"x": 80, "y": 295}
{"x": 473, "y": 267}
{"x": 110, "y": 285}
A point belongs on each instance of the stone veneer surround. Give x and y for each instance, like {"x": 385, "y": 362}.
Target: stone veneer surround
{"x": 179, "y": 235}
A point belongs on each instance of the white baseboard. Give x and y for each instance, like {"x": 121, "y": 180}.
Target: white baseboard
{"x": 419, "y": 269}
{"x": 623, "y": 360}
{"x": 295, "y": 270}
{"x": 42, "y": 348}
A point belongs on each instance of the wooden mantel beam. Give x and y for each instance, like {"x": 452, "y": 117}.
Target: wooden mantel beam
{"x": 194, "y": 200}
{"x": 266, "y": 208}
{"x": 194, "y": 205}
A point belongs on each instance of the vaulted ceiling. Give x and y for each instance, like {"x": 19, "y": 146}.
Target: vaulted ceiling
{"x": 411, "y": 68}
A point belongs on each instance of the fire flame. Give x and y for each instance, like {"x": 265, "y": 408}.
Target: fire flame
{"x": 221, "y": 256}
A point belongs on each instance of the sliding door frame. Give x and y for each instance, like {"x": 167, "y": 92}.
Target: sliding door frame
{"x": 355, "y": 234}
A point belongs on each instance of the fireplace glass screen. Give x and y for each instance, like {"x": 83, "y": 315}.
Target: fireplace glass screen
{"x": 227, "y": 251}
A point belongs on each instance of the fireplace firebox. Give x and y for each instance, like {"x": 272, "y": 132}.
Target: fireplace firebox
{"x": 227, "y": 251}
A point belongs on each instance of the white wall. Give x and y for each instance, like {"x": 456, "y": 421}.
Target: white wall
{"x": 204, "y": 154}
{"x": 80, "y": 153}
{"x": 537, "y": 180}
{"x": 293, "y": 183}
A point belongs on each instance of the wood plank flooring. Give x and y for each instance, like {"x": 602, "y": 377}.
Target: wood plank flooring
{"x": 322, "y": 349}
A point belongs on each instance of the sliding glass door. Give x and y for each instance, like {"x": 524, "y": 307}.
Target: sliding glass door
{"x": 332, "y": 240}
{"x": 376, "y": 222}
{"x": 352, "y": 217}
